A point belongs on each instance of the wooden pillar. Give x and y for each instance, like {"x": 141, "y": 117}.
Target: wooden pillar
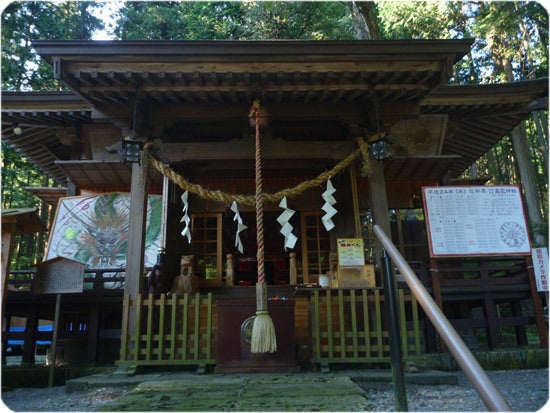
{"x": 492, "y": 329}
{"x": 29, "y": 342}
{"x": 229, "y": 270}
{"x": 8, "y": 235}
{"x": 293, "y": 270}
{"x": 379, "y": 202}
{"x": 136, "y": 232}
{"x": 436, "y": 288}
{"x": 93, "y": 333}
{"x": 355, "y": 201}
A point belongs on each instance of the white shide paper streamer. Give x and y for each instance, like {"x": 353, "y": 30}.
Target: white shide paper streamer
{"x": 286, "y": 227}
{"x": 240, "y": 226}
{"x": 330, "y": 211}
{"x": 185, "y": 219}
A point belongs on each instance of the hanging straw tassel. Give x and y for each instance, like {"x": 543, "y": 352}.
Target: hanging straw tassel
{"x": 263, "y": 338}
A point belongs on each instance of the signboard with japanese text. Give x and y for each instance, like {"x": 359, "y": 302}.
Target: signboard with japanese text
{"x": 540, "y": 267}
{"x": 475, "y": 220}
{"x": 350, "y": 252}
{"x": 59, "y": 275}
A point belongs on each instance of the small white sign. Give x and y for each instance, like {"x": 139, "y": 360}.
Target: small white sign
{"x": 540, "y": 265}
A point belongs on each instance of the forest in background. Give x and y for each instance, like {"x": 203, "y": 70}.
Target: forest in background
{"x": 511, "y": 44}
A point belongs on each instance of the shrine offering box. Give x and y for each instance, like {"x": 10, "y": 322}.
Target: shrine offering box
{"x": 356, "y": 277}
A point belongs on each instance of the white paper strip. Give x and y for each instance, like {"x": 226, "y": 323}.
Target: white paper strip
{"x": 240, "y": 226}
{"x": 330, "y": 211}
{"x": 286, "y": 227}
{"x": 185, "y": 218}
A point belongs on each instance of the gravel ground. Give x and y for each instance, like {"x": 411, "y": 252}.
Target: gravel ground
{"x": 524, "y": 390}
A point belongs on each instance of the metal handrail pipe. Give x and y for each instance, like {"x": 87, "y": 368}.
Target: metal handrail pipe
{"x": 489, "y": 394}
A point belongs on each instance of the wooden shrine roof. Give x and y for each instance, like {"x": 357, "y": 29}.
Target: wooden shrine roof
{"x": 228, "y": 72}
{"x": 26, "y": 220}
{"x": 198, "y": 93}
{"x": 48, "y": 194}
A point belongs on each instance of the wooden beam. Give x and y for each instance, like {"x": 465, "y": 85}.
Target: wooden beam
{"x": 248, "y": 66}
{"x": 243, "y": 149}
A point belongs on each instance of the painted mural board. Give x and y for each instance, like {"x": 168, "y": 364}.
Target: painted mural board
{"x": 475, "y": 221}
{"x": 93, "y": 230}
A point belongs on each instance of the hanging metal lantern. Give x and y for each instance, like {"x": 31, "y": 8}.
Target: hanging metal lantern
{"x": 131, "y": 150}
{"x": 381, "y": 149}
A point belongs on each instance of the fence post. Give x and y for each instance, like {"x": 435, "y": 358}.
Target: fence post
{"x": 393, "y": 330}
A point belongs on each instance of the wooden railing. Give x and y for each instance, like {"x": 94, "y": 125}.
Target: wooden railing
{"x": 94, "y": 279}
{"x": 349, "y": 326}
{"x": 492, "y": 284}
{"x": 168, "y": 330}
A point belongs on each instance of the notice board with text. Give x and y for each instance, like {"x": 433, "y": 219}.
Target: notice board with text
{"x": 475, "y": 220}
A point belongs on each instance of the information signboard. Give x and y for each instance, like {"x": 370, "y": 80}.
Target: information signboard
{"x": 475, "y": 220}
{"x": 59, "y": 275}
{"x": 350, "y": 251}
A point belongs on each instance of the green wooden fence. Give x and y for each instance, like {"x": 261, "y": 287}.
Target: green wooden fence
{"x": 169, "y": 330}
{"x": 346, "y": 326}
{"x": 350, "y": 326}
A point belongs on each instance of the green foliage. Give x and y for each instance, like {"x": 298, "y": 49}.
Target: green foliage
{"x": 22, "y": 69}
{"x": 233, "y": 21}
{"x": 23, "y": 22}
{"x": 298, "y": 20}
{"x": 415, "y": 20}
{"x": 172, "y": 20}
{"x": 18, "y": 173}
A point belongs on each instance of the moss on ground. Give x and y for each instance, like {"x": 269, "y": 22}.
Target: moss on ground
{"x": 248, "y": 394}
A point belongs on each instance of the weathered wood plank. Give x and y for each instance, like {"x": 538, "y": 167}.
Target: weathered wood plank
{"x": 149, "y": 332}
{"x": 353, "y": 304}
{"x": 173, "y": 327}
{"x": 239, "y": 150}
{"x": 342, "y": 323}
{"x": 161, "y": 334}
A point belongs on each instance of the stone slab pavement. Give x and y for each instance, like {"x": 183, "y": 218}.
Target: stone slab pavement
{"x": 302, "y": 391}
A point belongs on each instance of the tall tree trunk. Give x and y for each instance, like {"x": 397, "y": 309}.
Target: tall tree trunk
{"x": 541, "y": 124}
{"x": 528, "y": 179}
{"x": 526, "y": 172}
{"x": 364, "y": 20}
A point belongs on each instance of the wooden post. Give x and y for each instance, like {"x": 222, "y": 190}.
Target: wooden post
{"x": 355, "y": 201}
{"x": 93, "y": 333}
{"x": 136, "y": 233}
{"x": 436, "y": 288}
{"x": 230, "y": 270}
{"x": 8, "y": 235}
{"x": 293, "y": 270}
{"x": 379, "y": 202}
{"x": 53, "y": 350}
{"x": 29, "y": 340}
